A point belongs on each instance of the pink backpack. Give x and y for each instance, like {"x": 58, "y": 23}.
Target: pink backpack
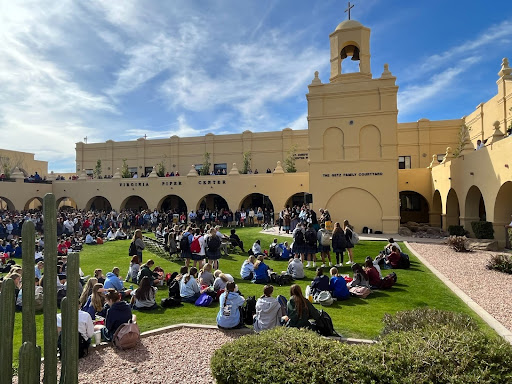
{"x": 127, "y": 336}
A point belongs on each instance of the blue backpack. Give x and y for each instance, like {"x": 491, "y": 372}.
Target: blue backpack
{"x": 204, "y": 300}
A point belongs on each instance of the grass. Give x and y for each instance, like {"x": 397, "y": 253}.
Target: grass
{"x": 362, "y": 318}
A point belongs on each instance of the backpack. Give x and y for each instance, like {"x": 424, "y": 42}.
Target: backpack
{"x": 195, "y": 246}
{"x": 184, "y": 244}
{"x": 213, "y": 243}
{"x": 324, "y": 298}
{"x": 283, "y": 279}
{"x": 404, "y": 262}
{"x": 361, "y": 292}
{"x": 170, "y": 302}
{"x": 174, "y": 290}
{"x": 324, "y": 326}
{"x": 132, "y": 251}
{"x": 249, "y": 310}
{"x": 299, "y": 238}
{"x": 204, "y": 300}
{"x": 126, "y": 336}
{"x": 311, "y": 237}
{"x": 325, "y": 238}
{"x": 388, "y": 281}
{"x": 283, "y": 302}
{"x": 355, "y": 238}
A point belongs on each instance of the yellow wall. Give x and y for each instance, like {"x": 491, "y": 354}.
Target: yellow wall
{"x": 24, "y": 161}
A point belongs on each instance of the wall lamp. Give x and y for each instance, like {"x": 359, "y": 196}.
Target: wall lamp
{"x": 472, "y": 173}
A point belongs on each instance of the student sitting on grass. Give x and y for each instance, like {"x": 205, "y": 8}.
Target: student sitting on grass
{"x": 268, "y": 311}
{"x": 221, "y": 279}
{"x": 247, "y": 270}
{"x": 145, "y": 270}
{"x": 86, "y": 292}
{"x": 296, "y": 268}
{"x": 360, "y": 278}
{"x": 229, "y": 316}
{"x": 338, "y": 285}
{"x": 320, "y": 283}
{"x": 143, "y": 298}
{"x": 95, "y": 302}
{"x": 205, "y": 275}
{"x": 189, "y": 289}
{"x": 299, "y": 309}
{"x": 260, "y": 271}
{"x": 133, "y": 270}
{"x": 119, "y": 312}
{"x": 113, "y": 281}
{"x": 393, "y": 259}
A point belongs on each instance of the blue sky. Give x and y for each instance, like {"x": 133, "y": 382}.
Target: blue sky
{"x": 122, "y": 69}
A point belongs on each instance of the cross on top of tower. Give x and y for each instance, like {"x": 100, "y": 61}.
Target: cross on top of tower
{"x": 348, "y": 9}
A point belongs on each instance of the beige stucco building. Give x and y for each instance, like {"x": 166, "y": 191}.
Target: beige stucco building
{"x": 354, "y": 158}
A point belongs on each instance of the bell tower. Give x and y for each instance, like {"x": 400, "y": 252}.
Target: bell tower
{"x": 350, "y": 39}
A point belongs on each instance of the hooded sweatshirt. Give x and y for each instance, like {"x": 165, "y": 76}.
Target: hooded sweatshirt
{"x": 268, "y": 313}
{"x": 119, "y": 313}
{"x": 112, "y": 281}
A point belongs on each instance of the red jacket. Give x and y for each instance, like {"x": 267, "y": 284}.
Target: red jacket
{"x": 394, "y": 259}
{"x": 373, "y": 276}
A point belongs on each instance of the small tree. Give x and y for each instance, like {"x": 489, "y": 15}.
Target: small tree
{"x": 289, "y": 162}
{"x": 125, "y": 173}
{"x": 463, "y": 133}
{"x": 205, "y": 169}
{"x": 160, "y": 169}
{"x": 7, "y": 164}
{"x": 97, "y": 169}
{"x": 246, "y": 163}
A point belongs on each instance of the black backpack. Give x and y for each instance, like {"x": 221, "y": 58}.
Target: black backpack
{"x": 174, "y": 289}
{"x": 324, "y": 326}
{"x": 404, "y": 262}
{"x": 184, "y": 244}
{"x": 311, "y": 237}
{"x": 249, "y": 310}
{"x": 170, "y": 302}
{"x": 299, "y": 238}
{"x": 213, "y": 243}
{"x": 132, "y": 251}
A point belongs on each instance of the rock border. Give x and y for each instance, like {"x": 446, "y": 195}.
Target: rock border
{"x": 500, "y": 329}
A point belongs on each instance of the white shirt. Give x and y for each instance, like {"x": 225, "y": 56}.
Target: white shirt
{"x": 85, "y": 324}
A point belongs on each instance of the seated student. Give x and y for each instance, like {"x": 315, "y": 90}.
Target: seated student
{"x": 145, "y": 270}
{"x": 213, "y": 246}
{"x": 62, "y": 250}
{"x": 268, "y": 311}
{"x": 118, "y": 313}
{"x": 89, "y": 239}
{"x": 388, "y": 248}
{"x": 189, "y": 289}
{"x": 98, "y": 273}
{"x": 256, "y": 249}
{"x": 229, "y": 316}
{"x": 86, "y": 292}
{"x": 296, "y": 268}
{"x": 260, "y": 271}
{"x": 120, "y": 235}
{"x": 95, "y": 302}
{"x": 320, "y": 283}
{"x": 393, "y": 259}
{"x": 113, "y": 281}
{"x": 38, "y": 268}
{"x": 299, "y": 309}
{"x": 144, "y": 296}
{"x": 205, "y": 276}
{"x": 99, "y": 238}
{"x": 273, "y": 250}
{"x": 221, "y": 279}
{"x": 338, "y": 285}
{"x": 85, "y": 326}
{"x": 284, "y": 251}
{"x": 38, "y": 291}
{"x": 247, "y": 270}
{"x": 360, "y": 278}
{"x": 111, "y": 235}
{"x": 133, "y": 270}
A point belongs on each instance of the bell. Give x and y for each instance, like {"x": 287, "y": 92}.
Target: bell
{"x": 343, "y": 54}
{"x": 355, "y": 56}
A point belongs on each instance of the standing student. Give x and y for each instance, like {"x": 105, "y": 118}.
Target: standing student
{"x": 339, "y": 243}
{"x": 324, "y": 241}
{"x": 348, "y": 238}
{"x": 139, "y": 244}
{"x": 198, "y": 257}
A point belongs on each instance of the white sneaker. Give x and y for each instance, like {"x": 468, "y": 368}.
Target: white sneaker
{"x": 330, "y": 264}
{"x": 308, "y": 265}
{"x": 323, "y": 266}
{"x": 314, "y": 264}
{"x": 348, "y": 262}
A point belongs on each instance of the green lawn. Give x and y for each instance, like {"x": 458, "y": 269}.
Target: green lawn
{"x": 361, "y": 318}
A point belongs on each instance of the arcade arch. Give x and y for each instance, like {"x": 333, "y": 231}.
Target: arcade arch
{"x": 98, "y": 203}
{"x": 134, "y": 202}
{"x": 172, "y": 202}
{"x": 452, "y": 209}
{"x": 212, "y": 202}
{"x": 256, "y": 200}
{"x": 6, "y": 204}
{"x": 474, "y": 206}
{"x": 66, "y": 203}
{"x": 296, "y": 199}
{"x": 34, "y": 203}
{"x": 503, "y": 209}
{"x": 366, "y": 213}
{"x": 413, "y": 207}
{"x": 437, "y": 210}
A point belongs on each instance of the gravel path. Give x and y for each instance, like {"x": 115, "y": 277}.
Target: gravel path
{"x": 490, "y": 289}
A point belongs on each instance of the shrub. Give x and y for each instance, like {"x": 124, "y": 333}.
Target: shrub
{"x": 502, "y": 263}
{"x": 420, "y": 346}
{"x": 423, "y": 317}
{"x": 459, "y": 243}
{"x": 482, "y": 229}
{"x": 456, "y": 230}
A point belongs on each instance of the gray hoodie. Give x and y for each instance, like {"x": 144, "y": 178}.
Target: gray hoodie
{"x": 268, "y": 314}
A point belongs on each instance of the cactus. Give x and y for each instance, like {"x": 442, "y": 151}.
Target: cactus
{"x": 69, "y": 310}
{"x": 7, "y": 309}
{"x": 30, "y": 353}
{"x": 50, "y": 289}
